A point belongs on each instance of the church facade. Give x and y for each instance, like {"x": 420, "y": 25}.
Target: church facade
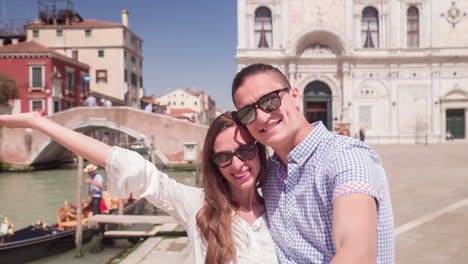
{"x": 396, "y": 68}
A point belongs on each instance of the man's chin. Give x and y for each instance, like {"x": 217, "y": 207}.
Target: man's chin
{"x": 272, "y": 141}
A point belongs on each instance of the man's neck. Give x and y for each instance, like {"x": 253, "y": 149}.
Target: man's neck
{"x": 283, "y": 150}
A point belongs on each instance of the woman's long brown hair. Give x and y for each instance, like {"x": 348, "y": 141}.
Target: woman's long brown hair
{"x": 214, "y": 219}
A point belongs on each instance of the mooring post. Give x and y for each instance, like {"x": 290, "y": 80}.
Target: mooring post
{"x": 79, "y": 191}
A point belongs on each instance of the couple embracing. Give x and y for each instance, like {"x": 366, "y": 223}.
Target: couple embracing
{"x": 324, "y": 197}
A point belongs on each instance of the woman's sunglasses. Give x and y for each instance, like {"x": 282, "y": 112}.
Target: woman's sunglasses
{"x": 244, "y": 153}
{"x": 269, "y": 102}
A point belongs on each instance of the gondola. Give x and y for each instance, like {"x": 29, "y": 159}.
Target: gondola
{"x": 39, "y": 240}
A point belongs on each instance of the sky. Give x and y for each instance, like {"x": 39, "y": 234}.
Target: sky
{"x": 186, "y": 43}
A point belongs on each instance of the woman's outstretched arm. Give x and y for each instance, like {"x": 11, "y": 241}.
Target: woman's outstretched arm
{"x": 87, "y": 147}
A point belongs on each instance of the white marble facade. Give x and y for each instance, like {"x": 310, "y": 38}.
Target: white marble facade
{"x": 397, "y": 68}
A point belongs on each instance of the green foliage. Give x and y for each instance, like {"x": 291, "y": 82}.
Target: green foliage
{"x": 96, "y": 244}
{"x": 8, "y": 88}
{"x": 125, "y": 254}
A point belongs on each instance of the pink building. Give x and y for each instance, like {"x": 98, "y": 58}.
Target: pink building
{"x": 46, "y": 80}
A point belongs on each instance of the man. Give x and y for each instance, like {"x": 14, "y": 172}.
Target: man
{"x": 326, "y": 196}
{"x": 91, "y": 101}
{"x": 149, "y": 108}
{"x": 108, "y": 103}
{"x": 362, "y": 134}
{"x": 95, "y": 188}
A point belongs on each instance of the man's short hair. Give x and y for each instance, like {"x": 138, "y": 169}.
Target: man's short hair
{"x": 252, "y": 70}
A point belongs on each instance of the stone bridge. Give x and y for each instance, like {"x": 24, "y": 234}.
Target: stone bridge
{"x": 167, "y": 135}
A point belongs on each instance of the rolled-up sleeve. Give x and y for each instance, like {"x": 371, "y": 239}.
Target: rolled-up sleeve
{"x": 356, "y": 169}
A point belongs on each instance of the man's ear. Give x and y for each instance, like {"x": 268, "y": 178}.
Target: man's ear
{"x": 296, "y": 95}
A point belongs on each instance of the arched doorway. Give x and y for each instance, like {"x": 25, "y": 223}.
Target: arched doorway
{"x": 455, "y": 122}
{"x": 318, "y": 103}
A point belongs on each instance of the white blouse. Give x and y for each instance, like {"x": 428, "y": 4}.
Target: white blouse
{"x": 128, "y": 172}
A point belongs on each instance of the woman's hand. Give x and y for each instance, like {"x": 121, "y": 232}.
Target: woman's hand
{"x": 23, "y": 120}
{"x": 87, "y": 147}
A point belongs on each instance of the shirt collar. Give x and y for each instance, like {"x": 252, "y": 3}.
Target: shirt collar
{"x": 306, "y": 148}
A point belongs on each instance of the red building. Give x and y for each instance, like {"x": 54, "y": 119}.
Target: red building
{"x": 46, "y": 80}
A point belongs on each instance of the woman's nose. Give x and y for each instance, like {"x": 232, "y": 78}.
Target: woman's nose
{"x": 236, "y": 163}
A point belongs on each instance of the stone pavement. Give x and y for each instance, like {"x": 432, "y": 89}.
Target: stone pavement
{"x": 430, "y": 201}
{"x": 162, "y": 250}
{"x": 430, "y": 204}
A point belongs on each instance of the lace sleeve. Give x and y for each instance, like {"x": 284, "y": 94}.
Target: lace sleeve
{"x": 128, "y": 172}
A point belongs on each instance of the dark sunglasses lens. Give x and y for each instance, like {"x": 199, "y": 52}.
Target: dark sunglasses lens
{"x": 270, "y": 102}
{"x": 246, "y": 114}
{"x": 222, "y": 159}
{"x": 247, "y": 152}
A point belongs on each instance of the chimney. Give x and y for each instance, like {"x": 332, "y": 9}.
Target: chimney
{"x": 75, "y": 55}
{"x": 125, "y": 17}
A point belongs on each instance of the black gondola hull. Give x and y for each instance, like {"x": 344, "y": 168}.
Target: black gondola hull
{"x": 40, "y": 247}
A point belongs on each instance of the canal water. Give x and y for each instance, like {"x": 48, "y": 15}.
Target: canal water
{"x": 26, "y": 197}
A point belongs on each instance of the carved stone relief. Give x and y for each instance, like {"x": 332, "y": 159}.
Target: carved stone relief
{"x": 317, "y": 50}
{"x": 453, "y": 14}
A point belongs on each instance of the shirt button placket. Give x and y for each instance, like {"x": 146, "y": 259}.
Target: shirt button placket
{"x": 289, "y": 211}
{"x": 290, "y": 206}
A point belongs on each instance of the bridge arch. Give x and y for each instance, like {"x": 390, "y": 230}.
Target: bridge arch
{"x": 24, "y": 147}
{"x": 51, "y": 150}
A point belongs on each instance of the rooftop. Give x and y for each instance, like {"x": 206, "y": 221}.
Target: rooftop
{"x": 88, "y": 23}
{"x": 31, "y": 47}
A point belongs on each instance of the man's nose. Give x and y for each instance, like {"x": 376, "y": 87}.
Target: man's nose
{"x": 261, "y": 116}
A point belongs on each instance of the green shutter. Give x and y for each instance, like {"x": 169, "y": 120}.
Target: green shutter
{"x": 70, "y": 81}
{"x": 37, "y": 77}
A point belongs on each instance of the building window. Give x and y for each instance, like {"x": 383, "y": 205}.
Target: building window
{"x": 87, "y": 32}
{"x": 182, "y": 103}
{"x": 125, "y": 76}
{"x": 133, "y": 79}
{"x": 263, "y": 28}
{"x": 59, "y": 33}
{"x": 133, "y": 59}
{"x": 37, "y": 105}
{"x": 57, "y": 106}
{"x": 413, "y": 27}
{"x": 370, "y": 28}
{"x": 174, "y": 103}
{"x": 125, "y": 54}
{"x": 141, "y": 64}
{"x": 196, "y": 103}
{"x": 71, "y": 82}
{"x": 35, "y": 33}
{"x": 36, "y": 80}
{"x": 100, "y": 53}
{"x": 365, "y": 117}
{"x": 101, "y": 76}
{"x": 84, "y": 84}
{"x": 141, "y": 81}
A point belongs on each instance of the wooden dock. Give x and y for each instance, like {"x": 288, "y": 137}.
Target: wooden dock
{"x": 165, "y": 224}
{"x": 94, "y": 221}
{"x": 165, "y": 228}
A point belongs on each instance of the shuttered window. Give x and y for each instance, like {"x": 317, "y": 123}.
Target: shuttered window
{"x": 36, "y": 77}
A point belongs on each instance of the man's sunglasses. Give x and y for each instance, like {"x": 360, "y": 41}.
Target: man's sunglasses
{"x": 244, "y": 153}
{"x": 269, "y": 102}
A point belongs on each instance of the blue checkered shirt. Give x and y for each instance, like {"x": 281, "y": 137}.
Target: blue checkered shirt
{"x": 299, "y": 198}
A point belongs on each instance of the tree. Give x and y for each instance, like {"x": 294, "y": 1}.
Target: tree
{"x": 8, "y": 89}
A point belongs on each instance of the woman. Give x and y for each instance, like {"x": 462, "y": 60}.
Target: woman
{"x": 225, "y": 222}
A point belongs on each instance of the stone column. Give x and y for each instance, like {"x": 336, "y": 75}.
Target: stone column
{"x": 347, "y": 94}
{"x": 393, "y": 77}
